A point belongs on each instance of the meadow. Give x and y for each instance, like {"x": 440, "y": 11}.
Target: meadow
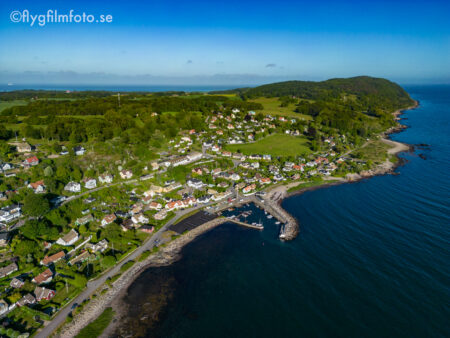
{"x": 275, "y": 145}
{"x": 272, "y": 106}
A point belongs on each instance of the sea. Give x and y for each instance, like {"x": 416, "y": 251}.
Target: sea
{"x": 372, "y": 258}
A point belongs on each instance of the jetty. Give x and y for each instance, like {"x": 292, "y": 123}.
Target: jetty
{"x": 247, "y": 225}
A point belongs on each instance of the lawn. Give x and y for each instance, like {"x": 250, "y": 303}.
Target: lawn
{"x": 8, "y": 104}
{"x": 375, "y": 151}
{"x": 275, "y": 145}
{"x": 95, "y": 328}
{"x": 272, "y": 106}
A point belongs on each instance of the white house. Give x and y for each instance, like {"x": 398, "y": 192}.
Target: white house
{"x": 70, "y": 238}
{"x": 90, "y": 183}
{"x": 79, "y": 150}
{"x": 105, "y": 178}
{"x": 73, "y": 187}
{"x": 194, "y": 183}
{"x": 126, "y": 174}
{"x": 9, "y": 213}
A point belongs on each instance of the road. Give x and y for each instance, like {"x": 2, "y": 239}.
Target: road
{"x": 94, "y": 284}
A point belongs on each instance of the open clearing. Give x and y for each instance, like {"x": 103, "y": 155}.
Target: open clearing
{"x": 272, "y": 106}
{"x": 275, "y": 145}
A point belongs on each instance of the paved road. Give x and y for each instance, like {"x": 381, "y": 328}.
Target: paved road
{"x": 93, "y": 285}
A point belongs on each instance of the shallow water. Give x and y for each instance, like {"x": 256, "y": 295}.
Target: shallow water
{"x": 372, "y": 258}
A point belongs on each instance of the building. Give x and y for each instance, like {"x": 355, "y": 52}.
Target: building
{"x": 22, "y": 147}
{"x": 105, "y": 178}
{"x": 194, "y": 183}
{"x": 155, "y": 206}
{"x": 16, "y": 283}
{"x": 79, "y": 150}
{"x": 4, "y": 237}
{"x": 43, "y": 293}
{"x": 80, "y": 258}
{"x": 73, "y": 187}
{"x": 90, "y": 183}
{"x": 9, "y": 213}
{"x": 126, "y": 174}
{"x": 139, "y": 218}
{"x": 4, "y": 307}
{"x": 9, "y": 269}
{"x": 84, "y": 220}
{"x": 44, "y": 277}
{"x": 38, "y": 187}
{"x": 98, "y": 247}
{"x": 147, "y": 228}
{"x": 25, "y": 300}
{"x": 53, "y": 258}
{"x": 108, "y": 219}
{"x": 30, "y": 161}
{"x": 70, "y": 238}
{"x": 160, "y": 215}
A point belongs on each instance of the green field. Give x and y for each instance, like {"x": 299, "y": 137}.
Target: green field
{"x": 275, "y": 145}
{"x": 95, "y": 328}
{"x": 272, "y": 106}
{"x": 375, "y": 151}
{"x": 8, "y": 104}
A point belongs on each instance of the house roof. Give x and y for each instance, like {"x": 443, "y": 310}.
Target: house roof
{"x": 36, "y": 184}
{"x": 32, "y": 159}
{"x": 43, "y": 276}
{"x": 53, "y": 258}
{"x": 72, "y": 234}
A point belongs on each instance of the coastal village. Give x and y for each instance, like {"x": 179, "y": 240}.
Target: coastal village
{"x": 104, "y": 215}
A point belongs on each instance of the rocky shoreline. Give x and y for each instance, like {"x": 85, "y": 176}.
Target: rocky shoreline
{"x": 168, "y": 254}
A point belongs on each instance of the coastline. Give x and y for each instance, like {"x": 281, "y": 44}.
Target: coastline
{"x": 170, "y": 253}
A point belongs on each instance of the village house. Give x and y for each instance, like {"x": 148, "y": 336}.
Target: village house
{"x": 70, "y": 238}
{"x": 38, "y": 187}
{"x": 108, "y": 219}
{"x": 79, "y": 150}
{"x": 30, "y": 162}
{"x": 248, "y": 189}
{"x": 25, "y": 300}
{"x": 105, "y": 178}
{"x": 4, "y": 237}
{"x": 89, "y": 183}
{"x": 160, "y": 215}
{"x": 139, "y": 218}
{"x": 195, "y": 183}
{"x": 4, "y": 307}
{"x": 126, "y": 174}
{"x": 9, "y": 213}
{"x": 43, "y": 293}
{"x": 265, "y": 180}
{"x": 84, "y": 220}
{"x": 22, "y": 147}
{"x": 98, "y": 247}
{"x": 174, "y": 205}
{"x": 73, "y": 187}
{"x": 44, "y": 277}
{"x": 53, "y": 258}
{"x": 147, "y": 228}
{"x": 80, "y": 258}
{"x": 16, "y": 283}
{"x": 6, "y": 166}
{"x": 9, "y": 269}
{"x": 136, "y": 208}
{"x": 155, "y": 206}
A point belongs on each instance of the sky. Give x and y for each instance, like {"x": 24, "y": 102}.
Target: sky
{"x": 225, "y": 42}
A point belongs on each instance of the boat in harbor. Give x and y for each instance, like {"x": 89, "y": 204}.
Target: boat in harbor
{"x": 269, "y": 216}
{"x": 277, "y": 222}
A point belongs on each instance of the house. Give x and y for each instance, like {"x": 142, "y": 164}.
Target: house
{"x": 80, "y": 258}
{"x": 9, "y": 269}
{"x": 30, "y": 162}
{"x": 105, "y": 178}
{"x": 98, "y": 247}
{"x": 265, "y": 180}
{"x": 194, "y": 183}
{"x": 38, "y": 187}
{"x": 16, "y": 283}
{"x": 44, "y": 277}
{"x": 6, "y": 166}
{"x": 89, "y": 183}
{"x": 79, "y": 150}
{"x": 108, "y": 219}
{"x": 126, "y": 174}
{"x": 139, "y": 218}
{"x": 155, "y": 206}
{"x": 84, "y": 220}
{"x": 160, "y": 215}
{"x": 194, "y": 156}
{"x": 9, "y": 213}
{"x": 53, "y": 258}
{"x": 215, "y": 148}
{"x": 70, "y": 238}
{"x": 25, "y": 300}
{"x": 23, "y": 147}
{"x": 73, "y": 187}
{"x": 147, "y": 228}
{"x": 174, "y": 205}
{"x": 43, "y": 293}
{"x": 4, "y": 236}
{"x": 4, "y": 307}
{"x": 248, "y": 189}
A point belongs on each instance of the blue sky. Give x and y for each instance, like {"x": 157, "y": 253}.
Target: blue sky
{"x": 227, "y": 42}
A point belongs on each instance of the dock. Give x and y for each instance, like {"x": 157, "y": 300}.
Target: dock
{"x": 251, "y": 226}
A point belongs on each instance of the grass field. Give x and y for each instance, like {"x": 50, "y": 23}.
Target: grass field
{"x": 8, "y": 104}
{"x": 272, "y": 106}
{"x": 95, "y": 328}
{"x": 275, "y": 145}
{"x": 375, "y": 151}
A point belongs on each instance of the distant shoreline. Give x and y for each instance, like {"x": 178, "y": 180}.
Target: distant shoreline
{"x": 171, "y": 252}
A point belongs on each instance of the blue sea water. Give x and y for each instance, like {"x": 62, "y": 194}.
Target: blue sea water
{"x": 372, "y": 258}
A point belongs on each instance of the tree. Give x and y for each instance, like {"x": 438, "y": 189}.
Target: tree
{"x": 35, "y": 205}
{"x": 48, "y": 171}
{"x": 5, "y": 149}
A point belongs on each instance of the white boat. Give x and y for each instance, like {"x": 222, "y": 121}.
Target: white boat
{"x": 277, "y": 222}
{"x": 269, "y": 216}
